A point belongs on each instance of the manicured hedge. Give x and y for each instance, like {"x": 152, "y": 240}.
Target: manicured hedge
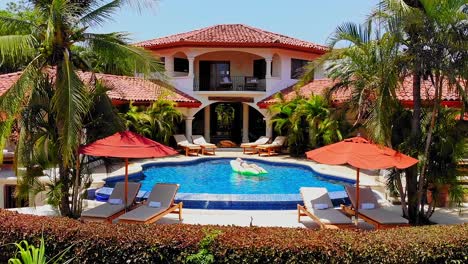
{"x": 103, "y": 243}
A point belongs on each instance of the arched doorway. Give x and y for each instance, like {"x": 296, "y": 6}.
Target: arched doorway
{"x": 225, "y": 121}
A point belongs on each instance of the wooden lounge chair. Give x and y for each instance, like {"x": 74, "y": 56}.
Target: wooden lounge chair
{"x": 250, "y": 148}
{"x": 272, "y": 148}
{"x": 378, "y": 216}
{"x": 188, "y": 147}
{"x": 112, "y": 208}
{"x": 160, "y": 203}
{"x": 206, "y": 148}
{"x": 314, "y": 200}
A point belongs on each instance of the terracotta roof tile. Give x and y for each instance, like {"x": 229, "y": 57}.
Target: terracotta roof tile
{"x": 404, "y": 94}
{"x": 233, "y": 35}
{"x": 121, "y": 88}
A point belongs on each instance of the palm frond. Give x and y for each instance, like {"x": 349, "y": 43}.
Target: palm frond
{"x": 70, "y": 103}
{"x": 114, "y": 46}
{"x": 351, "y": 32}
{"x": 102, "y": 14}
{"x": 17, "y": 47}
{"x": 13, "y": 26}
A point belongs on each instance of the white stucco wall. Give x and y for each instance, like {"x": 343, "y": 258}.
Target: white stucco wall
{"x": 241, "y": 64}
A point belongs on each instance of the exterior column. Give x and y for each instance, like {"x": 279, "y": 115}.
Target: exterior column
{"x": 191, "y": 61}
{"x": 169, "y": 65}
{"x": 207, "y": 123}
{"x": 188, "y": 128}
{"x": 245, "y": 123}
{"x": 268, "y": 67}
{"x": 268, "y": 127}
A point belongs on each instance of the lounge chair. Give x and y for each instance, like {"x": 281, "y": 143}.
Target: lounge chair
{"x": 370, "y": 210}
{"x": 250, "y": 148}
{"x": 115, "y": 206}
{"x": 269, "y": 149}
{"x": 188, "y": 147}
{"x": 206, "y": 148}
{"x": 319, "y": 207}
{"x": 160, "y": 203}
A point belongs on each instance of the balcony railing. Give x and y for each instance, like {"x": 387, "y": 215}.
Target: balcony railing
{"x": 232, "y": 83}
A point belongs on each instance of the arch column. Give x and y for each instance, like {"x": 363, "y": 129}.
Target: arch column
{"x": 268, "y": 67}
{"x": 245, "y": 123}
{"x": 169, "y": 65}
{"x": 207, "y": 123}
{"x": 191, "y": 61}
{"x": 188, "y": 127}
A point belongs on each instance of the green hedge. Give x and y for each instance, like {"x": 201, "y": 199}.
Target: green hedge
{"x": 104, "y": 243}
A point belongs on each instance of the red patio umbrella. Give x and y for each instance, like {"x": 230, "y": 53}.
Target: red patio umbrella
{"x": 126, "y": 145}
{"x": 361, "y": 154}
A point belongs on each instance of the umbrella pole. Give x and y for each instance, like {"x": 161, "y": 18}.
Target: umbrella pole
{"x": 357, "y": 195}
{"x": 126, "y": 183}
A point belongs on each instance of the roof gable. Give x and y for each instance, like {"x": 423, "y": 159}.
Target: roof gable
{"x": 450, "y": 96}
{"x": 232, "y": 35}
{"x": 122, "y": 88}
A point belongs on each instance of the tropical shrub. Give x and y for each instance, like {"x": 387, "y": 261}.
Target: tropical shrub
{"x": 104, "y": 243}
{"x": 307, "y": 122}
{"x": 29, "y": 254}
{"x": 158, "y": 121}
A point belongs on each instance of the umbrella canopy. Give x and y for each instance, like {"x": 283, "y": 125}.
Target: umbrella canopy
{"x": 361, "y": 154}
{"x": 127, "y": 145}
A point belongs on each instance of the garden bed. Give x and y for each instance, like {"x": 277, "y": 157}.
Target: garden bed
{"x": 104, "y": 243}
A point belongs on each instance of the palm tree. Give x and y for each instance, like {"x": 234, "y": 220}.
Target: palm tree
{"x": 369, "y": 66}
{"x": 161, "y": 119}
{"x": 433, "y": 36}
{"x": 48, "y": 46}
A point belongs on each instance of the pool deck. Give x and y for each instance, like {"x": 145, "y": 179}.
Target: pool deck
{"x": 268, "y": 218}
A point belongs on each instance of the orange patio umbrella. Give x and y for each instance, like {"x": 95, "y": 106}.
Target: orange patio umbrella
{"x": 361, "y": 154}
{"x": 126, "y": 145}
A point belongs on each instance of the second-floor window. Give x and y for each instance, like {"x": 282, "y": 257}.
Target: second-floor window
{"x": 181, "y": 65}
{"x": 297, "y": 68}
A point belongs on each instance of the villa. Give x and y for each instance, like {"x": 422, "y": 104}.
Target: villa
{"x": 231, "y": 66}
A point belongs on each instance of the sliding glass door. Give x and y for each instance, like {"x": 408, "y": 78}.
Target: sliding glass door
{"x": 212, "y": 73}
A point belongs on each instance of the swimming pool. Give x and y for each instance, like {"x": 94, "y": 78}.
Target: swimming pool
{"x": 210, "y": 183}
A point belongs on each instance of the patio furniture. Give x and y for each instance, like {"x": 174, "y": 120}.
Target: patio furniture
{"x": 319, "y": 207}
{"x": 272, "y": 148}
{"x": 371, "y": 211}
{"x": 188, "y": 147}
{"x": 207, "y": 148}
{"x": 252, "y": 145}
{"x": 225, "y": 82}
{"x": 361, "y": 154}
{"x": 115, "y": 206}
{"x": 160, "y": 203}
{"x": 251, "y": 83}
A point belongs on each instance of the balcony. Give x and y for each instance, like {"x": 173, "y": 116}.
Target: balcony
{"x": 229, "y": 83}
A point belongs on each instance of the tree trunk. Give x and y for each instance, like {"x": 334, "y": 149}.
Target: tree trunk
{"x": 402, "y": 195}
{"x": 412, "y": 173}
{"x": 64, "y": 189}
{"x": 422, "y": 178}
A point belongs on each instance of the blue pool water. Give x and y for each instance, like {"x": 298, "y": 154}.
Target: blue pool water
{"x": 215, "y": 176}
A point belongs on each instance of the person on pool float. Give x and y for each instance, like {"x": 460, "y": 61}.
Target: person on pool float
{"x": 245, "y": 165}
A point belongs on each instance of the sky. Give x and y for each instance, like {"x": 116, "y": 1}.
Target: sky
{"x": 310, "y": 20}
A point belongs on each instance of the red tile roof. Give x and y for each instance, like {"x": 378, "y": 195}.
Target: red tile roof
{"x": 450, "y": 97}
{"x": 232, "y": 35}
{"x": 123, "y": 88}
